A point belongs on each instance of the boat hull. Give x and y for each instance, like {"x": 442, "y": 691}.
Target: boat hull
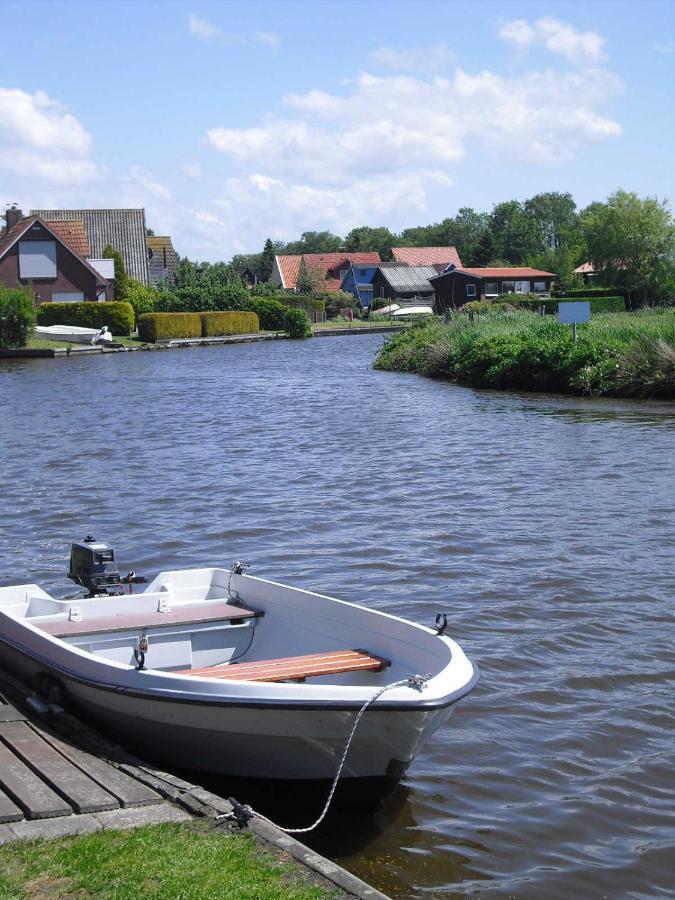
{"x": 246, "y": 741}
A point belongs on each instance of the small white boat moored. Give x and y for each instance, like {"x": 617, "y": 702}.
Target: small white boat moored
{"x": 74, "y": 334}
{"x": 219, "y": 671}
{"x": 413, "y": 311}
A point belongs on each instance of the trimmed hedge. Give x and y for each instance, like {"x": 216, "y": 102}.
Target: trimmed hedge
{"x": 117, "y": 315}
{"x": 599, "y": 304}
{"x": 218, "y": 323}
{"x": 167, "y": 326}
{"x": 17, "y": 317}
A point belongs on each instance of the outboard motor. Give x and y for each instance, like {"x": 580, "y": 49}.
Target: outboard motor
{"x": 92, "y": 565}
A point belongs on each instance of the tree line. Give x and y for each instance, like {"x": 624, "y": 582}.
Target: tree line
{"x": 630, "y": 240}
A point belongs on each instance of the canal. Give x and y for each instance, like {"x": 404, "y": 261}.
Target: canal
{"x": 542, "y": 525}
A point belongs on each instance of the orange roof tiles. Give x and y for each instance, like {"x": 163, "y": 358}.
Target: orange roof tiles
{"x": 426, "y": 256}
{"x": 289, "y": 269}
{"x": 72, "y": 233}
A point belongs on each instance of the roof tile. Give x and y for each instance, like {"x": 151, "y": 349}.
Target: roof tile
{"x": 426, "y": 256}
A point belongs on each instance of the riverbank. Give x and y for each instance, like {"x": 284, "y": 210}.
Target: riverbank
{"x": 40, "y": 348}
{"x": 173, "y": 860}
{"x": 616, "y": 354}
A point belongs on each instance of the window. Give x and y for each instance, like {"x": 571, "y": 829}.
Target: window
{"x": 522, "y": 287}
{"x": 37, "y": 259}
{"x": 491, "y": 288}
{"x": 471, "y": 290}
{"x": 508, "y": 287}
{"x": 68, "y": 297}
{"x": 540, "y": 287}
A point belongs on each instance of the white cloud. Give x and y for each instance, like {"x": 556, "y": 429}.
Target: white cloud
{"x": 204, "y": 30}
{"x": 401, "y": 124}
{"x": 665, "y": 47}
{"x": 35, "y": 120}
{"x": 271, "y": 38}
{"x": 192, "y": 170}
{"x": 41, "y": 141}
{"x": 413, "y": 59}
{"x": 578, "y": 47}
{"x": 140, "y": 186}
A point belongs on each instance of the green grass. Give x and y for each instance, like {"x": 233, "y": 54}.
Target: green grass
{"x": 617, "y": 354}
{"x": 43, "y": 344}
{"x": 159, "y": 861}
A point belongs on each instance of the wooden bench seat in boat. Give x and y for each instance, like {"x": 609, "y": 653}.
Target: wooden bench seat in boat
{"x": 133, "y": 621}
{"x": 294, "y": 668}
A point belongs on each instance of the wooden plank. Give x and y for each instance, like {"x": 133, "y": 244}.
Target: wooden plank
{"x": 37, "y": 800}
{"x": 128, "y": 791}
{"x": 83, "y": 794}
{"x": 9, "y": 714}
{"x": 294, "y": 667}
{"x": 126, "y": 621}
{"x": 9, "y": 811}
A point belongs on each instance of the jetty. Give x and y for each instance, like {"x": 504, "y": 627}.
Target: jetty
{"x": 60, "y": 777}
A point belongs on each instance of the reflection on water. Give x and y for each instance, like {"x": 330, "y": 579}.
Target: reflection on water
{"x": 542, "y": 525}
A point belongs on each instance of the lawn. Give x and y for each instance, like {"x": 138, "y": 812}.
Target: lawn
{"x": 161, "y": 861}
{"x": 43, "y": 344}
{"x": 617, "y": 354}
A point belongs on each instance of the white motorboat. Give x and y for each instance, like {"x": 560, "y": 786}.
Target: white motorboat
{"x": 219, "y": 671}
{"x": 74, "y": 334}
{"x": 413, "y": 311}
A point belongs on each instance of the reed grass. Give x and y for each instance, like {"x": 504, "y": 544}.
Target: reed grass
{"x": 616, "y": 354}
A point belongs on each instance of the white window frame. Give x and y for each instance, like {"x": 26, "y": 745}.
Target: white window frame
{"x": 522, "y": 286}
{"x": 471, "y": 290}
{"x": 492, "y": 284}
{"x": 68, "y": 297}
{"x": 511, "y": 290}
{"x": 539, "y": 287}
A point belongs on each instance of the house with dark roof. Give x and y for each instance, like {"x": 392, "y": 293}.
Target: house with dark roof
{"x": 456, "y": 286}
{"x": 403, "y": 282}
{"x": 427, "y": 256}
{"x": 43, "y": 254}
{"x": 123, "y": 229}
{"x": 162, "y": 259}
{"x": 325, "y": 270}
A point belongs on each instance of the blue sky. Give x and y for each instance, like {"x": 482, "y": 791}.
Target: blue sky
{"x": 230, "y": 122}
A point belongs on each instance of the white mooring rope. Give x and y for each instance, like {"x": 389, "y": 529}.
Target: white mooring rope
{"x": 418, "y": 682}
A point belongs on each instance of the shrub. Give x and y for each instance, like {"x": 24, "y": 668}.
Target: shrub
{"x": 218, "y": 323}
{"x": 584, "y": 293}
{"x": 118, "y": 316}
{"x": 297, "y": 324}
{"x": 271, "y": 314}
{"x": 165, "y": 326}
{"x": 17, "y": 317}
{"x": 141, "y": 296}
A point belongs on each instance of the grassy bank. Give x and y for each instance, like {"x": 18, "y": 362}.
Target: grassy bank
{"x": 617, "y": 354}
{"x": 157, "y": 861}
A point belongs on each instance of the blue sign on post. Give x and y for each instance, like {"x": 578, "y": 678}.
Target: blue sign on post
{"x": 574, "y": 313}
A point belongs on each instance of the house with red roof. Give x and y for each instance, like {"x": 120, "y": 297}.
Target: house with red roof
{"x": 52, "y": 258}
{"x": 325, "y": 271}
{"x": 456, "y": 286}
{"x": 427, "y": 256}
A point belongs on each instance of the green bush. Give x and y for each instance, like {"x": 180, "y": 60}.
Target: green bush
{"x": 141, "y": 296}
{"x": 303, "y": 301}
{"x": 118, "y": 316}
{"x": 271, "y": 314}
{"x": 624, "y": 354}
{"x": 584, "y": 293}
{"x": 232, "y": 322}
{"x": 297, "y": 324}
{"x": 167, "y": 326}
{"x": 17, "y": 317}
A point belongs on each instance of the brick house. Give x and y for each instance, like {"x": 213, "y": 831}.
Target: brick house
{"x": 49, "y": 257}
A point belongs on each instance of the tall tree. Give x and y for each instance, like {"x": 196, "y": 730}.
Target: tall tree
{"x": 266, "y": 263}
{"x": 556, "y": 219}
{"x": 632, "y": 242}
{"x": 514, "y": 232}
{"x": 360, "y": 240}
{"x": 316, "y": 242}
{"x": 121, "y": 279}
{"x": 465, "y": 231}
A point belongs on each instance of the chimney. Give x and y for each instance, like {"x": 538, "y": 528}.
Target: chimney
{"x": 12, "y": 215}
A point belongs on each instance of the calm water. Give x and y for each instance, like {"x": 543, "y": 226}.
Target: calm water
{"x": 542, "y": 525}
